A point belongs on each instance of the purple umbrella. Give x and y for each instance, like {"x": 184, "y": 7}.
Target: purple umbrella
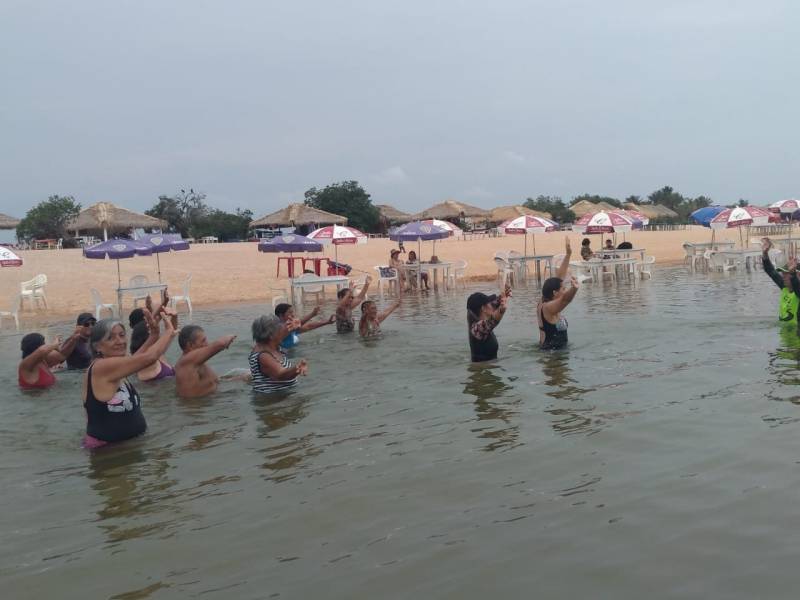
{"x": 418, "y": 231}
{"x": 290, "y": 243}
{"x": 117, "y": 249}
{"x": 163, "y": 242}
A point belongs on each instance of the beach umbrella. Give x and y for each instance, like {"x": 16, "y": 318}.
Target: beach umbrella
{"x": 529, "y": 224}
{"x": 703, "y": 216}
{"x": 336, "y": 235}
{"x": 8, "y": 258}
{"x": 740, "y": 216}
{"x": 163, "y": 242}
{"x": 454, "y": 229}
{"x": 419, "y": 232}
{"x": 117, "y": 249}
{"x": 785, "y": 207}
{"x": 605, "y": 222}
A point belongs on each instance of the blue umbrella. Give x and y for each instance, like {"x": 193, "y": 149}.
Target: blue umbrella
{"x": 117, "y": 249}
{"x": 163, "y": 242}
{"x": 703, "y": 216}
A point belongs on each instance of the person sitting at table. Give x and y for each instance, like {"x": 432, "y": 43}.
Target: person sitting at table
{"x": 344, "y": 311}
{"x": 397, "y": 264}
{"x": 370, "y": 324}
{"x": 786, "y": 279}
{"x": 555, "y": 298}
{"x": 193, "y": 377}
{"x": 285, "y": 312}
{"x": 609, "y": 245}
{"x": 34, "y": 370}
{"x": 270, "y": 368}
{"x": 412, "y": 260}
{"x": 484, "y": 313}
{"x": 112, "y": 404}
{"x": 140, "y": 335}
{"x": 81, "y": 356}
{"x": 586, "y": 250}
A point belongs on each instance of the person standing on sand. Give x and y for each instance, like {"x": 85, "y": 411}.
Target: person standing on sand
{"x": 193, "y": 377}
{"x": 786, "y": 279}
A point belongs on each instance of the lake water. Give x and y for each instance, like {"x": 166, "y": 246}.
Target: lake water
{"x": 659, "y": 456}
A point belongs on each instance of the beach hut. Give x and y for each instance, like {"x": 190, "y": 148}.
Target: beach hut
{"x": 7, "y": 222}
{"x": 452, "y": 209}
{"x": 584, "y": 207}
{"x": 501, "y": 214}
{"x": 653, "y": 211}
{"x": 390, "y": 214}
{"x": 296, "y": 215}
{"x": 108, "y": 217}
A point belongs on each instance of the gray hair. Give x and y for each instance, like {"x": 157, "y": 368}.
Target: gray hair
{"x": 101, "y": 332}
{"x": 265, "y": 327}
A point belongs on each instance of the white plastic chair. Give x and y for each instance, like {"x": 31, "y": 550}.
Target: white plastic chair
{"x": 583, "y": 274}
{"x": 505, "y": 274}
{"x": 389, "y": 281}
{"x": 33, "y": 290}
{"x": 689, "y": 257}
{"x": 279, "y": 296}
{"x": 100, "y": 306}
{"x": 458, "y": 272}
{"x": 184, "y": 297}
{"x": 644, "y": 269}
{"x": 13, "y": 313}
{"x": 135, "y": 281}
{"x": 317, "y": 290}
{"x": 60, "y": 244}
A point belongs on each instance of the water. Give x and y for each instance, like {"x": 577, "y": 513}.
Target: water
{"x": 658, "y": 456}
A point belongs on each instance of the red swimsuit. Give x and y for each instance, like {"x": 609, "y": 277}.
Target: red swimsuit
{"x": 44, "y": 381}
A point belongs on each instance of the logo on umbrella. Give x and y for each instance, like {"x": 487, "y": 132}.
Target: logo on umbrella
{"x": 119, "y": 247}
{"x": 157, "y": 241}
{"x": 288, "y": 239}
{"x": 425, "y": 228}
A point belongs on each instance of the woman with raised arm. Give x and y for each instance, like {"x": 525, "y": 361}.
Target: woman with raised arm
{"x": 113, "y": 407}
{"x": 371, "y": 319}
{"x": 271, "y": 370}
{"x": 33, "y": 372}
{"x": 347, "y": 302}
{"x": 484, "y": 313}
{"x": 555, "y": 298}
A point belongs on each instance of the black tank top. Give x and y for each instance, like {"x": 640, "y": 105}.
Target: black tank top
{"x": 118, "y": 419}
{"x": 555, "y": 336}
{"x": 483, "y": 350}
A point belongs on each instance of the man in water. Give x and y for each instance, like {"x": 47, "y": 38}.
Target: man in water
{"x": 193, "y": 377}
{"x": 786, "y": 279}
{"x": 285, "y": 312}
{"x": 81, "y": 355}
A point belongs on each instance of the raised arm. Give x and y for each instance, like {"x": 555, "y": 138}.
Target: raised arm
{"x": 275, "y": 371}
{"x": 201, "y": 355}
{"x": 564, "y": 267}
{"x": 310, "y": 316}
{"x": 317, "y": 324}
{"x": 553, "y": 307}
{"x": 117, "y": 367}
{"x": 362, "y": 294}
{"x": 56, "y": 357}
{"x": 382, "y": 316}
{"x": 38, "y": 355}
{"x": 766, "y": 245}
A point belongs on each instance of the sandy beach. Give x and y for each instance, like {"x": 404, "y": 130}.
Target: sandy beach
{"x": 232, "y": 273}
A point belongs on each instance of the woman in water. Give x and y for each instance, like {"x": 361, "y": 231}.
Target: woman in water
{"x": 484, "y": 313}
{"x": 370, "y": 324}
{"x": 347, "y": 302}
{"x": 113, "y": 407}
{"x": 412, "y": 260}
{"x": 33, "y": 372}
{"x": 160, "y": 369}
{"x": 271, "y": 370}
{"x": 555, "y": 298}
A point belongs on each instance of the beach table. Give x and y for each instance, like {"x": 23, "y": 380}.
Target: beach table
{"x": 416, "y": 270}
{"x": 596, "y": 266}
{"x": 537, "y": 258}
{"x": 340, "y": 281}
{"x": 748, "y": 258}
{"x": 138, "y": 290}
{"x": 42, "y": 244}
{"x": 209, "y": 239}
{"x": 623, "y": 253}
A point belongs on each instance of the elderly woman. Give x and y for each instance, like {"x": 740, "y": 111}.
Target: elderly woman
{"x": 113, "y": 407}
{"x": 270, "y": 368}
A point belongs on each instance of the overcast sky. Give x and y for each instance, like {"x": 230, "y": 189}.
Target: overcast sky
{"x": 486, "y": 102}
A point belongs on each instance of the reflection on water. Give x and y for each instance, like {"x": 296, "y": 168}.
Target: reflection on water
{"x": 488, "y": 390}
{"x": 568, "y": 418}
{"x": 284, "y": 459}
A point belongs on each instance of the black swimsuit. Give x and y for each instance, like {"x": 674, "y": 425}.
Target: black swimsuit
{"x": 118, "y": 419}
{"x": 555, "y": 336}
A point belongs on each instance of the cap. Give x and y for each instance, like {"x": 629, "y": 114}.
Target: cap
{"x": 478, "y": 300}
{"x": 84, "y": 318}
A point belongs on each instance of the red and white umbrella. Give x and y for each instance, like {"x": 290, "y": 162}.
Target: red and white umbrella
{"x": 8, "y": 258}
{"x": 526, "y": 224}
{"x": 642, "y": 218}
{"x": 785, "y": 206}
{"x": 455, "y": 230}
{"x": 740, "y": 216}
{"x": 336, "y": 235}
{"x": 605, "y": 222}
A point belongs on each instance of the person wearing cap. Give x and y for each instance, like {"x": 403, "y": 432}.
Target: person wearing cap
{"x": 80, "y": 356}
{"x": 484, "y": 312}
{"x": 786, "y": 279}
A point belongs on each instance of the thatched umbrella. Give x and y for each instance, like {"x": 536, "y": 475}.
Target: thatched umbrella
{"x": 506, "y": 213}
{"x": 299, "y": 214}
{"x": 653, "y": 211}
{"x": 7, "y": 222}
{"x": 391, "y": 215}
{"x": 584, "y": 206}
{"x": 451, "y": 209}
{"x": 110, "y": 217}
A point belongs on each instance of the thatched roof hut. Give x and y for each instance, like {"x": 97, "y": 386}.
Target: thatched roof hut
{"x": 653, "y": 211}
{"x": 584, "y": 206}
{"x": 392, "y": 215}
{"x": 451, "y": 209}
{"x": 7, "y": 222}
{"x": 105, "y": 217}
{"x": 299, "y": 214}
{"x": 504, "y": 213}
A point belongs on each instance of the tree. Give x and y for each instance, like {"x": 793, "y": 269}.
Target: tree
{"x": 633, "y": 200}
{"x": 48, "y": 219}
{"x": 347, "y": 199}
{"x": 553, "y": 205}
{"x": 223, "y": 225}
{"x": 666, "y": 196}
{"x": 182, "y": 211}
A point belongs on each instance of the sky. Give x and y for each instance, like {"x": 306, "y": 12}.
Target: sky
{"x": 254, "y": 102}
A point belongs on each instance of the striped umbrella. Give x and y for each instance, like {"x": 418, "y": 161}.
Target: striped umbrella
{"x": 605, "y": 222}
{"x": 336, "y": 235}
{"x": 454, "y": 230}
{"x": 8, "y": 258}
{"x": 740, "y": 216}
{"x": 526, "y": 224}
{"x": 786, "y": 207}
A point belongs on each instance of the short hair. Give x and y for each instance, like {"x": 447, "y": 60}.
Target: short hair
{"x": 282, "y": 308}
{"x": 139, "y": 335}
{"x": 365, "y": 305}
{"x": 30, "y": 343}
{"x": 136, "y": 316}
{"x": 342, "y": 293}
{"x": 186, "y": 336}
{"x": 101, "y": 332}
{"x": 586, "y": 242}
{"x": 264, "y": 327}
{"x": 550, "y": 287}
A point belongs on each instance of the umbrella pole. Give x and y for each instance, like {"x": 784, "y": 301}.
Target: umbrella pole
{"x": 158, "y": 262}
{"x": 419, "y": 264}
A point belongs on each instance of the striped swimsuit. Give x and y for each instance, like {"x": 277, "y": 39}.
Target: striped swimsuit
{"x": 263, "y": 384}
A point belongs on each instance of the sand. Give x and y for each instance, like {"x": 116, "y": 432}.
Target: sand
{"x": 232, "y": 273}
